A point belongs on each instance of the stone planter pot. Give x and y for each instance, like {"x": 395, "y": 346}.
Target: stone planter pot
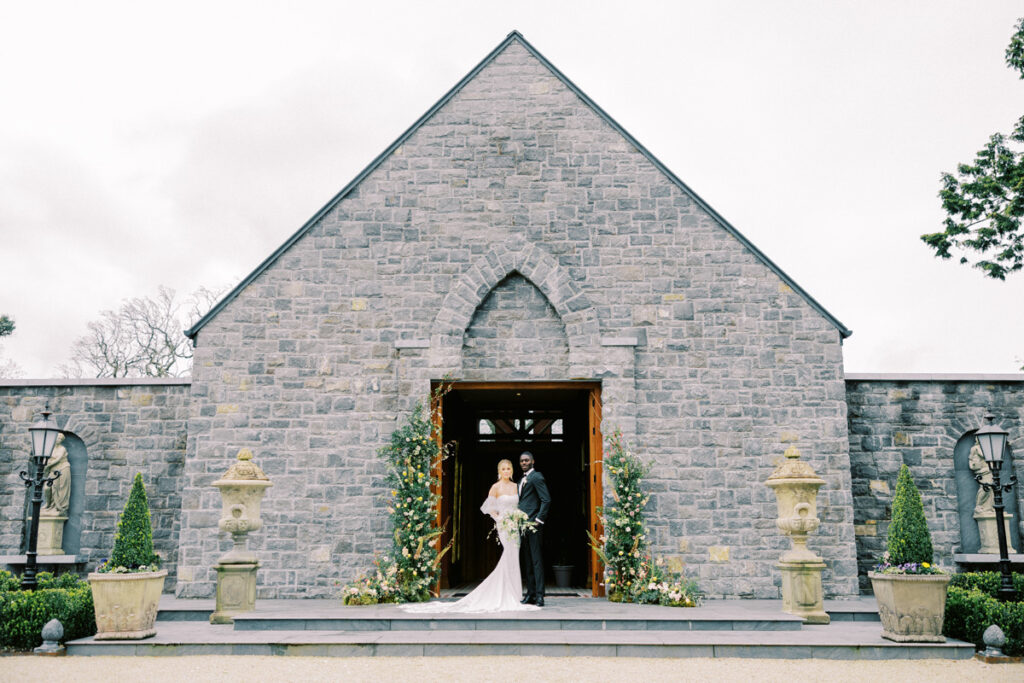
{"x": 563, "y": 575}
{"x": 126, "y": 604}
{"x": 912, "y": 606}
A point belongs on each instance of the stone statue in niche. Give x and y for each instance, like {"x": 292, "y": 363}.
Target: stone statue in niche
{"x": 979, "y": 468}
{"x": 56, "y": 501}
{"x": 984, "y": 506}
{"x": 57, "y": 498}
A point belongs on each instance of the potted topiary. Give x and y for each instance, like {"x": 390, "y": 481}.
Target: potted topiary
{"x": 126, "y": 588}
{"x": 910, "y": 592}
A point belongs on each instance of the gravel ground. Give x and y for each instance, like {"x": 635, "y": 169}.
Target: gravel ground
{"x": 480, "y": 669}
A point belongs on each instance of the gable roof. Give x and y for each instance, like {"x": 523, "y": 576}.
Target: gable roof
{"x": 514, "y": 36}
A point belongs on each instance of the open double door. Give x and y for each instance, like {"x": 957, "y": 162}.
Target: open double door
{"x": 481, "y": 423}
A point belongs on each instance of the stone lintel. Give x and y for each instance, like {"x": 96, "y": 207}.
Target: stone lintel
{"x": 412, "y": 343}
{"x": 619, "y": 341}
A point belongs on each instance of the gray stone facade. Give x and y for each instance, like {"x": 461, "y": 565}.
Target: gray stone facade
{"x": 918, "y": 421}
{"x": 123, "y": 427}
{"x": 710, "y": 362}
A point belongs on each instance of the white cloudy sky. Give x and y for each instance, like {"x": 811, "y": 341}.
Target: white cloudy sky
{"x": 179, "y": 144}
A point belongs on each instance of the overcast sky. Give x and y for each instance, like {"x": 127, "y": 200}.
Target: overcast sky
{"x": 180, "y": 144}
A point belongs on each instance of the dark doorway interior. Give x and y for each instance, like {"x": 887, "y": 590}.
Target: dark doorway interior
{"x": 484, "y": 424}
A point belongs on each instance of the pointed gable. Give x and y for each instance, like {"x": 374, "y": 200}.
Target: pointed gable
{"x": 515, "y": 71}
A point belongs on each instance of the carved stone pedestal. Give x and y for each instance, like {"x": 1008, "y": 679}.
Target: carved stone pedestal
{"x": 796, "y": 489}
{"x": 801, "y": 590}
{"x": 241, "y": 489}
{"x": 51, "y": 536}
{"x": 236, "y": 591}
{"x": 989, "y": 532}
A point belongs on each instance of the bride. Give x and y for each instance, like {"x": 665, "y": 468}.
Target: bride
{"x": 503, "y": 588}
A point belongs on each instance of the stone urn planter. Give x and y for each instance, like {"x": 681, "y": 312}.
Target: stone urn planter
{"x": 126, "y": 604}
{"x": 911, "y": 606}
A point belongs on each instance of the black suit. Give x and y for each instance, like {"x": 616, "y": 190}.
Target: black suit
{"x": 535, "y": 501}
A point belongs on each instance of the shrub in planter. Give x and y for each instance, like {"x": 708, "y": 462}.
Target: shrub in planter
{"x": 133, "y": 544}
{"x": 911, "y": 593}
{"x": 24, "y": 613}
{"x": 126, "y": 588}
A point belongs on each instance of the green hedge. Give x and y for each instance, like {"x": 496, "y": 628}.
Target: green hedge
{"x": 24, "y": 613}
{"x": 971, "y": 607}
{"x": 987, "y": 582}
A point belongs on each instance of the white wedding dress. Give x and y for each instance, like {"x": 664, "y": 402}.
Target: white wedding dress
{"x": 502, "y": 590}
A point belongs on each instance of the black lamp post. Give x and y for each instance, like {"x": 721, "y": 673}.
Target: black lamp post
{"x": 44, "y": 437}
{"x": 993, "y": 440}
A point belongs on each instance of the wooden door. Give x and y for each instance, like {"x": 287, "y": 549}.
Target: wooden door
{"x": 596, "y": 491}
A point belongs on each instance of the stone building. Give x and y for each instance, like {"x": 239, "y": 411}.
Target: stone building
{"x": 517, "y": 240}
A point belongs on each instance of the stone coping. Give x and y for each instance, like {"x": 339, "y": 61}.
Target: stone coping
{"x": 986, "y": 558}
{"x": 933, "y": 377}
{"x": 98, "y": 382}
{"x": 43, "y": 559}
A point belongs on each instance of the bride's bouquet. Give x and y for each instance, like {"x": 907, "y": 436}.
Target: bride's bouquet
{"x": 515, "y": 524}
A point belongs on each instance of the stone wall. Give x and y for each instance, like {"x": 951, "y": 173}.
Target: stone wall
{"x": 917, "y": 420}
{"x": 709, "y": 361}
{"x": 125, "y": 426}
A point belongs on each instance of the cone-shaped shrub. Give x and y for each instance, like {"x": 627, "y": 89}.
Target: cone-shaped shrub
{"x": 133, "y": 544}
{"x": 909, "y": 540}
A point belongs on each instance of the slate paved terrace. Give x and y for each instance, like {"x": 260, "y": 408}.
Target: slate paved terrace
{"x": 566, "y": 627}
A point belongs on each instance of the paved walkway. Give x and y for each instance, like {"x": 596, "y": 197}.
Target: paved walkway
{"x": 485, "y": 669}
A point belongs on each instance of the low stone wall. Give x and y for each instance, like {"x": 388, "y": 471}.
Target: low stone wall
{"x": 917, "y": 420}
{"x": 120, "y": 427}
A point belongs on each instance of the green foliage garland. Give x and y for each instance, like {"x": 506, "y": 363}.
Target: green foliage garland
{"x": 409, "y": 571}
{"x": 630, "y": 573}
{"x": 909, "y": 540}
{"x": 133, "y": 544}
{"x": 24, "y": 613}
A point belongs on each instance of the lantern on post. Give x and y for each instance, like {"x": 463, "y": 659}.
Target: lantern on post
{"x": 992, "y": 440}
{"x": 44, "y": 433}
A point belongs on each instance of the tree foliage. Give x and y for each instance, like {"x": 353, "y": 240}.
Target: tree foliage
{"x": 984, "y": 201}
{"x": 909, "y": 539}
{"x": 143, "y": 338}
{"x": 8, "y": 368}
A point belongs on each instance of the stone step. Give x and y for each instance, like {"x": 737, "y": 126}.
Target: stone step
{"x": 843, "y": 640}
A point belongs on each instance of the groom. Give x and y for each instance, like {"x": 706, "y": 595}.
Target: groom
{"x": 534, "y": 500}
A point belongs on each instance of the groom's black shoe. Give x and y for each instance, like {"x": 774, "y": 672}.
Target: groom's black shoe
{"x": 539, "y": 602}
{"x": 528, "y": 600}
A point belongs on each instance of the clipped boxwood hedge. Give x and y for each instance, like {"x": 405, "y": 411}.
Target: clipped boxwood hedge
{"x": 24, "y": 613}
{"x": 972, "y": 606}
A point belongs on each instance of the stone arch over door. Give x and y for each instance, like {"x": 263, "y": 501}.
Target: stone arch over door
{"x": 537, "y": 266}
{"x": 515, "y": 334}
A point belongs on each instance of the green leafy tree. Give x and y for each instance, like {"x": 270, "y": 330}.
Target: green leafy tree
{"x": 133, "y": 544}
{"x": 984, "y": 201}
{"x": 909, "y": 539}
{"x": 6, "y": 326}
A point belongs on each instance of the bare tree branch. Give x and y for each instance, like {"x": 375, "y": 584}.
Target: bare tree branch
{"x": 142, "y": 339}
